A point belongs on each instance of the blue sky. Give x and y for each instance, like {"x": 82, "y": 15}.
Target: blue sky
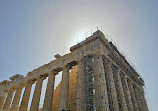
{"x": 33, "y": 31}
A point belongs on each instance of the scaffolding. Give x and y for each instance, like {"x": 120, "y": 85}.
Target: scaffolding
{"x": 90, "y": 90}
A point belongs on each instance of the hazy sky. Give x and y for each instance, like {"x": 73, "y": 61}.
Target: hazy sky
{"x": 33, "y": 31}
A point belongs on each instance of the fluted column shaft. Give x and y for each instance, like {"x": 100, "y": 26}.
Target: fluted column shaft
{"x": 26, "y": 96}
{"x": 64, "y": 89}
{"x": 112, "y": 88}
{"x": 122, "y": 96}
{"x": 8, "y": 100}
{"x": 15, "y": 103}
{"x": 2, "y": 99}
{"x": 48, "y": 101}
{"x": 37, "y": 94}
{"x": 100, "y": 88}
{"x": 143, "y": 100}
{"x": 81, "y": 88}
{"x": 135, "y": 105}
{"x": 141, "y": 108}
{"x": 129, "y": 101}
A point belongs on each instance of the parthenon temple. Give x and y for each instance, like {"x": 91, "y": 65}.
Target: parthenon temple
{"x": 95, "y": 77}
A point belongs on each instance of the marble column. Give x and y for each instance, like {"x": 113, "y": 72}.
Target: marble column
{"x": 122, "y": 96}
{"x": 26, "y": 96}
{"x": 144, "y": 102}
{"x": 100, "y": 85}
{"x": 138, "y": 98}
{"x": 64, "y": 89}
{"x": 81, "y": 87}
{"x": 112, "y": 88}
{"x": 127, "y": 92}
{"x": 2, "y": 99}
{"x": 129, "y": 101}
{"x": 37, "y": 94}
{"x": 15, "y": 103}
{"x": 8, "y": 100}
{"x": 48, "y": 101}
{"x": 134, "y": 101}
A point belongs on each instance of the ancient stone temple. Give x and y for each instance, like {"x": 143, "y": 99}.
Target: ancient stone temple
{"x": 95, "y": 77}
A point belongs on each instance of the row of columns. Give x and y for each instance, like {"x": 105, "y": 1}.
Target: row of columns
{"x": 113, "y": 97}
{"x": 131, "y": 98}
{"x": 5, "y": 104}
{"x": 127, "y": 92}
{"x": 101, "y": 90}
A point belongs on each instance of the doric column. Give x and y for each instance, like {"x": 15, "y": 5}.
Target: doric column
{"x": 8, "y": 100}
{"x": 15, "y": 103}
{"x": 101, "y": 95}
{"x": 26, "y": 96}
{"x": 112, "y": 88}
{"x": 129, "y": 101}
{"x": 133, "y": 98}
{"x": 64, "y": 89}
{"x": 138, "y": 98}
{"x": 142, "y": 95}
{"x": 2, "y": 99}
{"x": 122, "y": 96}
{"x": 37, "y": 94}
{"x": 81, "y": 88}
{"x": 48, "y": 101}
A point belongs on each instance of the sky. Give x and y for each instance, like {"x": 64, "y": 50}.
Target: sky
{"x": 33, "y": 31}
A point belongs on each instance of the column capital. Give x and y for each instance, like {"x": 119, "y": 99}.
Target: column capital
{"x": 109, "y": 63}
{"x": 32, "y": 81}
{"x": 3, "y": 94}
{"x": 129, "y": 79}
{"x": 118, "y": 70}
{"x": 80, "y": 60}
{"x": 126, "y": 77}
{"x": 66, "y": 66}
{"x": 12, "y": 89}
{"x": 20, "y": 86}
{"x": 41, "y": 77}
{"x": 52, "y": 72}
